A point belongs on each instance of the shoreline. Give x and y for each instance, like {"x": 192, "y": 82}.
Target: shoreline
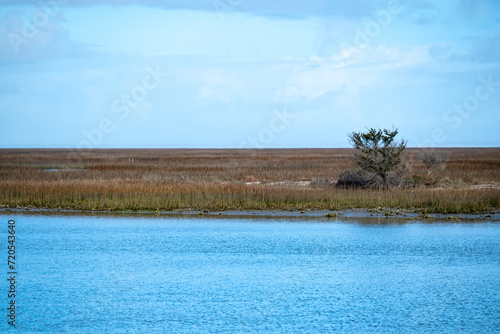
{"x": 327, "y": 215}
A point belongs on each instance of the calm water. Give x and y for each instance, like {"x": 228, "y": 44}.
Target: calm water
{"x": 88, "y": 274}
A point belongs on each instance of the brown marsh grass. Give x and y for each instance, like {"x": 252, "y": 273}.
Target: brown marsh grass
{"x": 170, "y": 179}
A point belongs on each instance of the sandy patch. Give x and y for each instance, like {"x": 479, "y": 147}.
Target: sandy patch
{"x": 283, "y": 183}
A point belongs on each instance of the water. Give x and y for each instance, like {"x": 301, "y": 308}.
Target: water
{"x": 117, "y": 274}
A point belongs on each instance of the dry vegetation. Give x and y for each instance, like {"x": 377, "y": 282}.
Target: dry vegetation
{"x": 236, "y": 179}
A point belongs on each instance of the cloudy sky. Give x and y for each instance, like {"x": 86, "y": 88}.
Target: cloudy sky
{"x": 247, "y": 73}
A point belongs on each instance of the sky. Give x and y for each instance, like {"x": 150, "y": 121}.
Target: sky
{"x": 247, "y": 73}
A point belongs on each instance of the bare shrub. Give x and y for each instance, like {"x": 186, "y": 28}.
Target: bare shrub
{"x": 433, "y": 160}
{"x": 358, "y": 178}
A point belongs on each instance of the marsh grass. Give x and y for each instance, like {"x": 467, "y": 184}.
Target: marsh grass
{"x": 217, "y": 180}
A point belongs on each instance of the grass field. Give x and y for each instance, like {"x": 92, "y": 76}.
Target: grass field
{"x": 288, "y": 179}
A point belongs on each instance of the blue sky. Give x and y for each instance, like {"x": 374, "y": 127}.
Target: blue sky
{"x": 247, "y": 73}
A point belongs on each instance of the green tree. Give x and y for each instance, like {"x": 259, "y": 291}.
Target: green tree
{"x": 378, "y": 152}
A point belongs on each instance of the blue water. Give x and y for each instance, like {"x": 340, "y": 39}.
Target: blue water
{"x": 116, "y": 274}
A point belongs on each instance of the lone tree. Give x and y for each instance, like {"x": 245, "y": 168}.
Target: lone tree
{"x": 378, "y": 153}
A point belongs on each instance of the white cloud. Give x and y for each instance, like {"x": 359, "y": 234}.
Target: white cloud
{"x": 27, "y": 36}
{"x": 368, "y": 69}
{"x": 219, "y": 86}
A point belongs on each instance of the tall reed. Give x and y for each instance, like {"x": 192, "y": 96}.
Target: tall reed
{"x": 234, "y": 179}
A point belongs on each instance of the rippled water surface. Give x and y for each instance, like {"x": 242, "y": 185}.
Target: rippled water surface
{"x": 88, "y": 274}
